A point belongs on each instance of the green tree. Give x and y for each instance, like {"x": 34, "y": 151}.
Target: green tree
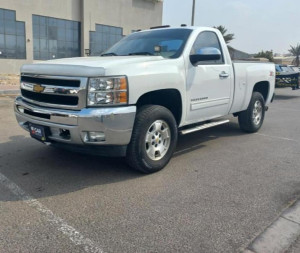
{"x": 227, "y": 37}
{"x": 265, "y": 54}
{"x": 295, "y": 51}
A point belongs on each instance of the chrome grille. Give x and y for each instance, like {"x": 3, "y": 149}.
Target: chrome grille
{"x": 54, "y": 91}
{"x": 48, "y": 81}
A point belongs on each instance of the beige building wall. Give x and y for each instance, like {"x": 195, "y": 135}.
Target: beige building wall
{"x": 284, "y": 60}
{"x": 128, "y": 14}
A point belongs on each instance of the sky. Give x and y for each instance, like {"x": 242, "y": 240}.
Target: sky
{"x": 257, "y": 24}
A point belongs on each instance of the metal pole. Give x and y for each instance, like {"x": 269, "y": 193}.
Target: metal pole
{"x": 193, "y": 12}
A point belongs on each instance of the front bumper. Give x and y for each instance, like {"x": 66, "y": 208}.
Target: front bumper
{"x": 116, "y": 123}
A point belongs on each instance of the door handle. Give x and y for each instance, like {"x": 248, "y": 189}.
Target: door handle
{"x": 224, "y": 75}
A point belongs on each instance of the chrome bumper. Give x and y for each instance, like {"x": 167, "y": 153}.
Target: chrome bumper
{"x": 115, "y": 123}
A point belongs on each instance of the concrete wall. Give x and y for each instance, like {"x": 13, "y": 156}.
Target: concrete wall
{"x": 129, "y": 14}
{"x": 284, "y": 60}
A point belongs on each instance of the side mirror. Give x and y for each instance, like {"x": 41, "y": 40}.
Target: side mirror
{"x": 206, "y": 54}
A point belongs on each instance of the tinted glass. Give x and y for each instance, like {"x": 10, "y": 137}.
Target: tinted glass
{"x": 10, "y": 15}
{"x": 36, "y": 20}
{"x": 21, "y": 43}
{"x": 2, "y": 44}
{"x": 104, "y": 37}
{"x": 207, "y": 39}
{"x": 10, "y": 27}
{"x": 42, "y": 20}
{"x": 52, "y": 33}
{"x": 43, "y": 31}
{"x": 12, "y": 36}
{"x": 20, "y": 28}
{"x": 2, "y": 25}
{"x": 55, "y": 38}
{"x": 11, "y": 41}
{"x": 36, "y": 45}
{"x": 171, "y": 42}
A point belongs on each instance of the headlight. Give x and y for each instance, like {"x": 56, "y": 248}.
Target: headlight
{"x": 107, "y": 90}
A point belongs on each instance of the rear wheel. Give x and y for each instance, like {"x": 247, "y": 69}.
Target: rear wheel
{"x": 153, "y": 140}
{"x": 252, "y": 119}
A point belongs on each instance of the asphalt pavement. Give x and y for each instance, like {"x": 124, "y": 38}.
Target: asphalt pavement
{"x": 221, "y": 189}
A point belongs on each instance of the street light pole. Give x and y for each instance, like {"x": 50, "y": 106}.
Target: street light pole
{"x": 193, "y": 12}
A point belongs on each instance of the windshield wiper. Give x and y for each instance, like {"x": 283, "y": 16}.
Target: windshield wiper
{"x": 140, "y": 53}
{"x": 109, "y": 54}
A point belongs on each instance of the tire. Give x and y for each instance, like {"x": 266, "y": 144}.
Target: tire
{"x": 251, "y": 120}
{"x": 150, "y": 155}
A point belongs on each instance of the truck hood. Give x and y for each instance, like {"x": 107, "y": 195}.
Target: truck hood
{"x": 84, "y": 66}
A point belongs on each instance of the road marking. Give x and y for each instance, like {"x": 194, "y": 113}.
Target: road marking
{"x": 76, "y": 237}
{"x": 276, "y": 137}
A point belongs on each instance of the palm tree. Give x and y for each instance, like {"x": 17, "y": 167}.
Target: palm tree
{"x": 227, "y": 37}
{"x": 295, "y": 51}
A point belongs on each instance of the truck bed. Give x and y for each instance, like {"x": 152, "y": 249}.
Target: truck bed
{"x": 246, "y": 74}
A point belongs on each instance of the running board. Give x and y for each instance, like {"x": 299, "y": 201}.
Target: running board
{"x": 204, "y": 126}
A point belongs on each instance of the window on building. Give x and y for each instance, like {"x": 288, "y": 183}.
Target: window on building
{"x": 104, "y": 37}
{"x": 55, "y": 38}
{"x": 12, "y": 36}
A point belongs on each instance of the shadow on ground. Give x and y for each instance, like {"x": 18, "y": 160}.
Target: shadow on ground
{"x": 45, "y": 171}
{"x": 286, "y": 97}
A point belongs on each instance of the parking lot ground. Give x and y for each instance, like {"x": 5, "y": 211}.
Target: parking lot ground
{"x": 221, "y": 189}
{"x": 295, "y": 248}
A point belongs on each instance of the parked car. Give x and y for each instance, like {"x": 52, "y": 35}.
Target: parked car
{"x": 287, "y": 76}
{"x": 140, "y": 94}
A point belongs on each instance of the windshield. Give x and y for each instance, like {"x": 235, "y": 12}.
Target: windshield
{"x": 168, "y": 43}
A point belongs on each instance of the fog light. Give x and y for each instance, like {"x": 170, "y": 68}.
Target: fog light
{"x": 65, "y": 134}
{"x": 95, "y": 136}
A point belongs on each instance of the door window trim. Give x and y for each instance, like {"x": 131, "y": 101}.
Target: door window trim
{"x": 221, "y": 49}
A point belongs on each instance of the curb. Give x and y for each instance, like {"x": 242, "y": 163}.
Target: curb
{"x": 9, "y": 92}
{"x": 280, "y": 235}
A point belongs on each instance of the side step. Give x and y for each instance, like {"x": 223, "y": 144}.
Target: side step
{"x": 204, "y": 126}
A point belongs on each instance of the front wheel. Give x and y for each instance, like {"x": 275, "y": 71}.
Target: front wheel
{"x": 153, "y": 140}
{"x": 252, "y": 119}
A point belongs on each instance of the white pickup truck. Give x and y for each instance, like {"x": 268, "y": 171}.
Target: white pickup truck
{"x": 136, "y": 98}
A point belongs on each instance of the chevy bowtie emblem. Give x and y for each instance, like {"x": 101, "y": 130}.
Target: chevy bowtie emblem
{"x": 38, "y": 88}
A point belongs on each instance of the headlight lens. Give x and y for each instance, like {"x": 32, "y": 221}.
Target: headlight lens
{"x": 107, "y": 90}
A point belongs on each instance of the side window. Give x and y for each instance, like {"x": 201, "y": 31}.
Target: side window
{"x": 205, "y": 40}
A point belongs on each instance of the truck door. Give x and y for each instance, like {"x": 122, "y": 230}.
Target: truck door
{"x": 209, "y": 82}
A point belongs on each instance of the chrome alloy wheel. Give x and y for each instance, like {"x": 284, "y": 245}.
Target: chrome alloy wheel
{"x": 257, "y": 113}
{"x": 158, "y": 139}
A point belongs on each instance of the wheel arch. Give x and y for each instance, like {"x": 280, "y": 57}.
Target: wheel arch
{"x": 169, "y": 98}
{"x": 263, "y": 87}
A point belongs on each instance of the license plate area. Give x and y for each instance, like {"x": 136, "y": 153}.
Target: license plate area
{"x": 38, "y": 132}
